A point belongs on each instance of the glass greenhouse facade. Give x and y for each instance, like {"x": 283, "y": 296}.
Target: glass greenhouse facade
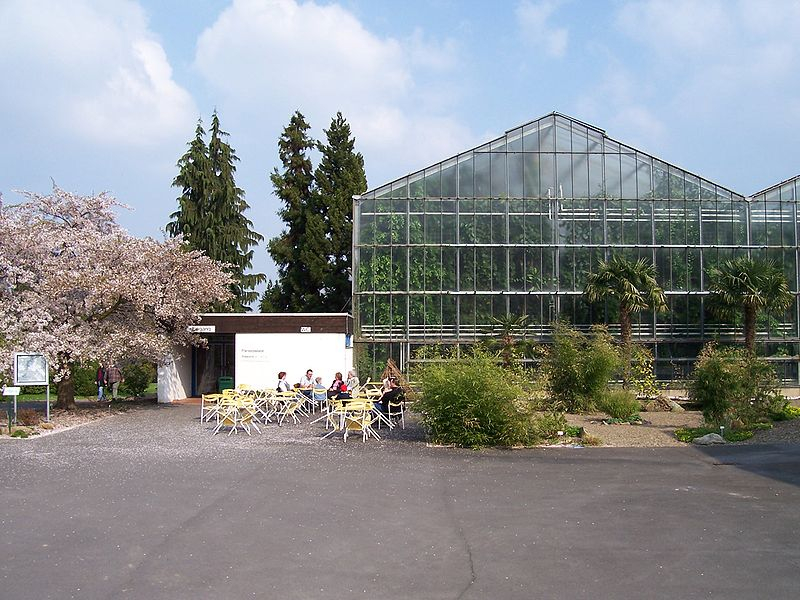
{"x": 515, "y": 226}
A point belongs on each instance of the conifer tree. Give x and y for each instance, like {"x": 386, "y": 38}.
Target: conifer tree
{"x": 211, "y": 214}
{"x": 338, "y": 177}
{"x": 300, "y": 251}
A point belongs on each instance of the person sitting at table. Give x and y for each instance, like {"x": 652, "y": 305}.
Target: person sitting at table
{"x": 307, "y": 383}
{"x": 335, "y": 387}
{"x": 283, "y": 385}
{"x": 319, "y": 391}
{"x": 352, "y": 381}
{"x": 394, "y": 397}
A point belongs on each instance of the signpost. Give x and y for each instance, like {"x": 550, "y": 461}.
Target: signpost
{"x": 11, "y": 391}
{"x": 30, "y": 368}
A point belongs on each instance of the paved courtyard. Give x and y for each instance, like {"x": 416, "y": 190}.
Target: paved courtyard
{"x": 149, "y": 505}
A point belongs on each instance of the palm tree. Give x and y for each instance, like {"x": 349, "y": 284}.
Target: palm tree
{"x": 748, "y": 286}
{"x": 509, "y": 341}
{"x": 633, "y": 284}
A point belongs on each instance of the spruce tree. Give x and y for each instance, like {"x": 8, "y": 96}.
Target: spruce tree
{"x": 211, "y": 212}
{"x": 300, "y": 251}
{"x": 338, "y": 177}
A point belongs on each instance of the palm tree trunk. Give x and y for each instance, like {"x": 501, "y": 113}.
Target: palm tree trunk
{"x": 750, "y": 328}
{"x": 625, "y": 340}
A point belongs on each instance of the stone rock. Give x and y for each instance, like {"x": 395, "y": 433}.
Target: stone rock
{"x": 675, "y": 407}
{"x": 709, "y": 439}
{"x": 656, "y": 405}
{"x": 46, "y": 425}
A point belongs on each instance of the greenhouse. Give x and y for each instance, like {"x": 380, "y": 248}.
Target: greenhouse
{"x": 515, "y": 226}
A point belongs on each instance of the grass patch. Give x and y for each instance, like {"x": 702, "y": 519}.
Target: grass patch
{"x": 687, "y": 434}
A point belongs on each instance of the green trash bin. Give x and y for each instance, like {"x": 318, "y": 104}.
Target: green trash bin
{"x": 224, "y": 383}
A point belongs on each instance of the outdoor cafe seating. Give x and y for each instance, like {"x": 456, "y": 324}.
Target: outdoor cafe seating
{"x": 249, "y": 409}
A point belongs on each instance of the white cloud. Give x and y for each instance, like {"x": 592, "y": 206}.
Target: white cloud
{"x": 89, "y": 69}
{"x": 276, "y": 56}
{"x": 538, "y": 31}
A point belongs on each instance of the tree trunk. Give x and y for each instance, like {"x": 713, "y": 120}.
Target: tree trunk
{"x": 625, "y": 339}
{"x": 750, "y": 328}
{"x": 66, "y": 393}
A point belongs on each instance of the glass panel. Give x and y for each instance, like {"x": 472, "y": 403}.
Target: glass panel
{"x": 516, "y": 265}
{"x": 483, "y": 268}
{"x": 399, "y": 268}
{"x": 499, "y": 182}
{"x": 448, "y": 189}
{"x": 498, "y": 145}
{"x": 676, "y": 184}
{"x": 465, "y": 187}
{"x": 449, "y": 228}
{"x": 614, "y": 221}
{"x": 581, "y": 217}
{"x": 596, "y": 188}
{"x": 611, "y": 146}
{"x": 628, "y": 166}
{"x": 416, "y": 185}
{"x": 433, "y": 182}
{"x": 466, "y": 228}
{"x": 693, "y": 222}
{"x": 692, "y": 187}
{"x": 612, "y": 176}
{"x": 645, "y": 233}
{"x": 643, "y": 182}
{"x": 565, "y": 222}
{"x": 483, "y": 229}
{"x": 564, "y": 175}
{"x": 580, "y": 141}
{"x": 531, "y": 175}
{"x": 499, "y": 235}
{"x": 382, "y": 228}
{"x": 548, "y": 175}
{"x": 597, "y": 231}
{"x": 563, "y": 143}
{"x": 400, "y": 189}
{"x": 415, "y": 229}
{"x": 482, "y": 175}
{"x": 546, "y": 137}
{"x": 449, "y": 269}
{"x": 515, "y": 140}
{"x": 366, "y": 230}
{"x": 433, "y": 229}
{"x": 467, "y": 269}
{"x": 595, "y": 141}
{"x": 530, "y": 137}
{"x": 499, "y": 269}
{"x": 660, "y": 180}
{"x": 515, "y": 188}
{"x": 466, "y": 310}
{"x": 580, "y": 176}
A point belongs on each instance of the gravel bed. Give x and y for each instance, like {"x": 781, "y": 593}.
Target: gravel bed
{"x": 657, "y": 429}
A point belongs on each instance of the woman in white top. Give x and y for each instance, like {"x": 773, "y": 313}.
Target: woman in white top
{"x": 352, "y": 380}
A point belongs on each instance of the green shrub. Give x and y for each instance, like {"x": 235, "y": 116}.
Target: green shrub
{"x": 138, "y": 377}
{"x": 619, "y": 404}
{"x": 786, "y": 413}
{"x": 732, "y": 385}
{"x": 687, "y": 434}
{"x": 578, "y": 367}
{"x": 548, "y": 425}
{"x": 472, "y": 402}
{"x": 84, "y": 376}
{"x": 642, "y": 374}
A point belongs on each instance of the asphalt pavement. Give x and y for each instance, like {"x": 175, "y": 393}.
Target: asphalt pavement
{"x": 150, "y": 505}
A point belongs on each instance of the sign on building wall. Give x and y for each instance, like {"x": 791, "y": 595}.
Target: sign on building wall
{"x": 260, "y": 356}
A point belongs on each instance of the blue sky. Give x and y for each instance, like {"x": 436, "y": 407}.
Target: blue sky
{"x": 103, "y": 95}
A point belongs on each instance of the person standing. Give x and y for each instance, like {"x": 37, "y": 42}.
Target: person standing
{"x": 100, "y": 381}
{"x": 113, "y": 378}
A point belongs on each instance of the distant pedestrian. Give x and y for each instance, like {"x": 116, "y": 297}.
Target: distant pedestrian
{"x": 113, "y": 378}
{"x": 100, "y": 382}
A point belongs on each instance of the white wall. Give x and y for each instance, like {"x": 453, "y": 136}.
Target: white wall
{"x": 260, "y": 356}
